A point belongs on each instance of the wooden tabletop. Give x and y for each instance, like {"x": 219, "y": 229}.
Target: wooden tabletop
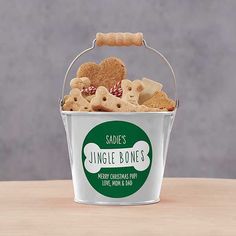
{"x": 187, "y": 207}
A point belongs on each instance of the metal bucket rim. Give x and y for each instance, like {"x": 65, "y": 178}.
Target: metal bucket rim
{"x": 79, "y": 113}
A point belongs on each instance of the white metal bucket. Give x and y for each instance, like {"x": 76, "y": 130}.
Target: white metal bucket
{"x": 118, "y": 158}
{"x": 157, "y": 127}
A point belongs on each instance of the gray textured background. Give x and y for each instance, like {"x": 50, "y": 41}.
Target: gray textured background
{"x": 39, "y": 38}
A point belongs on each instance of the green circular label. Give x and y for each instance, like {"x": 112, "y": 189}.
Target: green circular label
{"x": 117, "y": 158}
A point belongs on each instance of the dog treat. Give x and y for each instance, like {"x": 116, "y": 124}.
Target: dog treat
{"x": 70, "y": 105}
{"x": 131, "y": 91}
{"x": 76, "y": 102}
{"x": 80, "y": 83}
{"x": 89, "y": 97}
{"x": 104, "y": 101}
{"x": 66, "y": 97}
{"x": 103, "y": 87}
{"x": 143, "y": 108}
{"x": 110, "y": 71}
{"x": 160, "y": 100}
{"x": 150, "y": 87}
{"x": 77, "y": 95}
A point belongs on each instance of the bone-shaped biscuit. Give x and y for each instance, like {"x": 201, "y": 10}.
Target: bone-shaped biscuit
{"x": 76, "y": 94}
{"x": 70, "y": 104}
{"x": 104, "y": 101}
{"x": 89, "y": 97}
{"x": 76, "y": 102}
{"x": 150, "y": 87}
{"x": 80, "y": 83}
{"x": 131, "y": 90}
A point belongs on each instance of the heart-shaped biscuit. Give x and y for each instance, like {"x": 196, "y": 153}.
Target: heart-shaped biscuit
{"x": 110, "y": 71}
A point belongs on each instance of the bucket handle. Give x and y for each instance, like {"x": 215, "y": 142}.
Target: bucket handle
{"x": 121, "y": 39}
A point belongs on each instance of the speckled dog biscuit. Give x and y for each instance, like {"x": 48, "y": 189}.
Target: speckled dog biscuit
{"x": 131, "y": 90}
{"x": 89, "y": 97}
{"x": 70, "y": 105}
{"x": 110, "y": 71}
{"x": 160, "y": 100}
{"x": 76, "y": 102}
{"x": 150, "y": 87}
{"x": 80, "y": 83}
{"x": 104, "y": 101}
{"x": 77, "y": 95}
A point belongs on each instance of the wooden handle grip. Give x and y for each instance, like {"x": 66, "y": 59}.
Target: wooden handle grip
{"x": 119, "y": 39}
